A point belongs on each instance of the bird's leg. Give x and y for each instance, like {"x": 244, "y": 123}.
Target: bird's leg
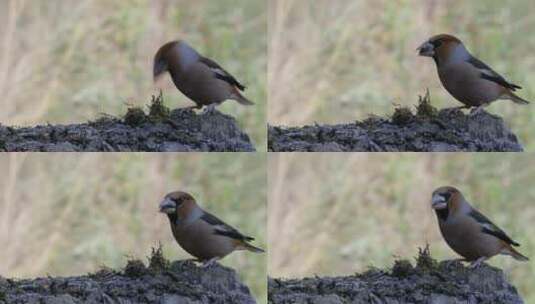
{"x": 210, "y": 262}
{"x": 452, "y": 261}
{"x": 477, "y": 110}
{"x": 210, "y": 109}
{"x": 478, "y": 262}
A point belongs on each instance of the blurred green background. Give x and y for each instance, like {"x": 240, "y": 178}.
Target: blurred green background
{"x": 339, "y": 61}
{"x": 69, "y": 214}
{"x": 67, "y": 61}
{"x": 339, "y": 214}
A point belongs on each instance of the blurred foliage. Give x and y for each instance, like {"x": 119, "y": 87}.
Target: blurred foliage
{"x": 68, "y": 61}
{"x": 67, "y": 214}
{"x": 338, "y": 61}
{"x": 336, "y": 215}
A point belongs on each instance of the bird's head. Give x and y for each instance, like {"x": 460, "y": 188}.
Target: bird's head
{"x": 160, "y": 65}
{"x": 440, "y": 47}
{"x": 446, "y": 200}
{"x": 176, "y": 201}
{"x": 173, "y": 56}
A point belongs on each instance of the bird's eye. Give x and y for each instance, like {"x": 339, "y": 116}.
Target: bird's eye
{"x": 436, "y": 43}
{"x": 446, "y": 196}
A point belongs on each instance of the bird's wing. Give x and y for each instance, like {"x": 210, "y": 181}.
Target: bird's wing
{"x": 489, "y": 228}
{"x": 489, "y": 74}
{"x": 223, "y": 229}
{"x": 220, "y": 73}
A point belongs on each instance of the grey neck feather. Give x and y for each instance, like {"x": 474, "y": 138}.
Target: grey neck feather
{"x": 188, "y": 55}
{"x": 193, "y": 216}
{"x": 460, "y": 53}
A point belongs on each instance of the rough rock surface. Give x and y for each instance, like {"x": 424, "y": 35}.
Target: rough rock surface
{"x": 179, "y": 282}
{"x": 428, "y": 282}
{"x": 429, "y": 130}
{"x": 180, "y": 130}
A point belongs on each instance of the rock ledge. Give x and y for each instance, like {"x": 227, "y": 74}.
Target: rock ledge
{"x": 427, "y": 282}
{"x": 162, "y": 130}
{"x": 161, "y": 282}
{"x": 427, "y": 130}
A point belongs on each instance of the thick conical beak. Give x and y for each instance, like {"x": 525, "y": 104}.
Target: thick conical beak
{"x": 426, "y": 49}
{"x": 159, "y": 68}
{"x": 167, "y": 206}
{"x": 439, "y": 202}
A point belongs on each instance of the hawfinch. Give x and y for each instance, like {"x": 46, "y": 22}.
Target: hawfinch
{"x": 465, "y": 77}
{"x": 467, "y": 231}
{"x": 200, "y": 233}
{"x": 199, "y": 78}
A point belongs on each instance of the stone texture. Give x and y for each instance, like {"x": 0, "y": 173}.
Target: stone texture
{"x": 448, "y": 130}
{"x": 181, "y": 130}
{"x": 179, "y": 282}
{"x": 428, "y": 282}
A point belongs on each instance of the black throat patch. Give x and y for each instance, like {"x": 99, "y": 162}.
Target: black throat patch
{"x": 172, "y": 217}
{"x": 443, "y": 214}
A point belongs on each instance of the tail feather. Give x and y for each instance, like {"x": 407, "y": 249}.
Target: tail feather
{"x": 249, "y": 247}
{"x": 244, "y": 101}
{"x": 236, "y": 95}
{"x": 514, "y": 98}
{"x": 515, "y": 254}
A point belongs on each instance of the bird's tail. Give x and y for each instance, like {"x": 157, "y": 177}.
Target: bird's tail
{"x": 513, "y": 97}
{"x": 249, "y": 247}
{"x": 515, "y": 254}
{"x": 241, "y": 99}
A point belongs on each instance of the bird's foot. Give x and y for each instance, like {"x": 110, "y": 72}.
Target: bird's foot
{"x": 477, "y": 262}
{"x": 210, "y": 109}
{"x": 476, "y": 111}
{"x": 210, "y": 262}
{"x": 455, "y": 109}
{"x": 454, "y": 261}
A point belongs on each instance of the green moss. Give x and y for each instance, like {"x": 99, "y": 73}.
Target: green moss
{"x": 103, "y": 272}
{"x": 402, "y": 115}
{"x": 424, "y": 261}
{"x": 402, "y": 268}
{"x": 158, "y": 112}
{"x": 135, "y": 117}
{"x": 424, "y": 108}
{"x": 135, "y": 268}
{"x": 104, "y": 119}
{"x": 157, "y": 262}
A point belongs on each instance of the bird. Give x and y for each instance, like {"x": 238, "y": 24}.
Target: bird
{"x": 200, "y": 233}
{"x": 466, "y": 78}
{"x": 467, "y": 231}
{"x": 200, "y": 78}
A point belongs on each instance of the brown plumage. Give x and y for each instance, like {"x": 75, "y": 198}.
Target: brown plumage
{"x": 465, "y": 77}
{"x": 199, "y": 78}
{"x": 467, "y": 231}
{"x": 200, "y": 233}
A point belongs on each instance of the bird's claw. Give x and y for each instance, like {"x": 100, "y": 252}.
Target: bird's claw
{"x": 209, "y": 263}
{"x": 210, "y": 109}
{"x": 477, "y": 263}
